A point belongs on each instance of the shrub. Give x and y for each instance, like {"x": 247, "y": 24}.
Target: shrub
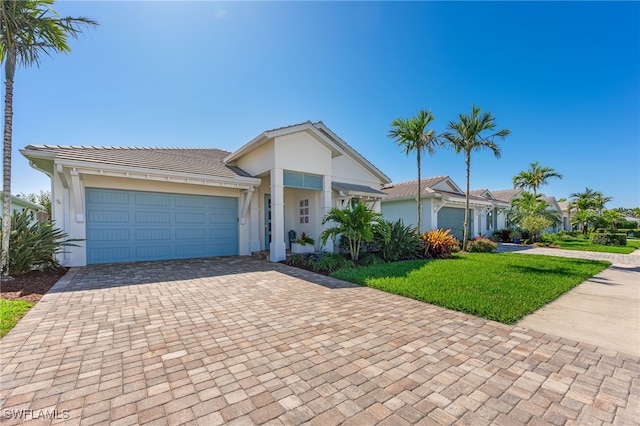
{"x": 503, "y": 235}
{"x": 370, "y": 259}
{"x": 305, "y": 239}
{"x": 481, "y": 245}
{"x": 328, "y": 262}
{"x": 439, "y": 243}
{"x": 570, "y": 233}
{"x": 395, "y": 241}
{"x": 608, "y": 239}
{"x": 34, "y": 245}
{"x": 294, "y": 259}
{"x": 634, "y": 233}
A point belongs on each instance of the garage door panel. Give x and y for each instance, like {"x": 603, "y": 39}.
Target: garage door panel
{"x": 108, "y": 197}
{"x": 152, "y": 217}
{"x": 153, "y": 234}
{"x": 109, "y": 235}
{"x": 108, "y": 216}
{"x": 147, "y": 199}
{"x": 156, "y": 226}
{"x": 191, "y": 201}
{"x": 194, "y": 218}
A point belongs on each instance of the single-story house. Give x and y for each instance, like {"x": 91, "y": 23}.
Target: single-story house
{"x": 135, "y": 204}
{"x": 508, "y": 195}
{"x": 443, "y": 204}
{"x": 18, "y": 205}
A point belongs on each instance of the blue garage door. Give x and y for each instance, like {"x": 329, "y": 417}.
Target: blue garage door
{"x": 130, "y": 226}
{"x": 453, "y": 218}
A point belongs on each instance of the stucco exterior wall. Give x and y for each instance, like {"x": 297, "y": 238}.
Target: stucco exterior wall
{"x": 259, "y": 160}
{"x": 301, "y": 152}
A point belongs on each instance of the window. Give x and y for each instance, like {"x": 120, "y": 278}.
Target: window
{"x": 302, "y": 180}
{"x": 304, "y": 211}
{"x": 490, "y": 220}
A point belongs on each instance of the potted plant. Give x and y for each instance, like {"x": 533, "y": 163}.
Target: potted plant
{"x": 304, "y": 244}
{"x": 515, "y": 236}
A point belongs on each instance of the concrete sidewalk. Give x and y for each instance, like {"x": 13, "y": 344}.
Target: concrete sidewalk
{"x": 603, "y": 311}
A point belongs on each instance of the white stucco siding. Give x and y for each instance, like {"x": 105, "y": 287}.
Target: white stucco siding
{"x": 292, "y": 216}
{"x": 301, "y": 152}
{"x": 259, "y": 160}
{"x": 345, "y": 169}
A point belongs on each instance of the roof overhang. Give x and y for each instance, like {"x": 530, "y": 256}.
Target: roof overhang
{"x": 47, "y": 163}
{"x": 353, "y": 190}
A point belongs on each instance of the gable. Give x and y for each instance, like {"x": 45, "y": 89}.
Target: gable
{"x": 447, "y": 185}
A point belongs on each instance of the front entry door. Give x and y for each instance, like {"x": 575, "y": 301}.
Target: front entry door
{"x": 267, "y": 221}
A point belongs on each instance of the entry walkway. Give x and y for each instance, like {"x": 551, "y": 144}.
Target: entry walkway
{"x": 241, "y": 341}
{"x": 604, "y": 310}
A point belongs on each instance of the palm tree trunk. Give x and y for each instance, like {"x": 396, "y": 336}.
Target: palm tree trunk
{"x": 465, "y": 234}
{"x": 419, "y": 204}
{"x": 6, "y": 176}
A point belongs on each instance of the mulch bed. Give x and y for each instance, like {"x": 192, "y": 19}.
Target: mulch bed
{"x": 31, "y": 286}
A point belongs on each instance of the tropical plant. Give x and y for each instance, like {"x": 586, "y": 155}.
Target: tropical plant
{"x": 34, "y": 245}
{"x": 535, "y": 177}
{"x": 481, "y": 245}
{"x": 412, "y": 135}
{"x": 612, "y": 217}
{"x": 28, "y": 29}
{"x": 329, "y": 262}
{"x": 294, "y": 259}
{"x": 397, "y": 241}
{"x": 588, "y": 206}
{"x": 439, "y": 243}
{"x": 305, "y": 239}
{"x": 531, "y": 213}
{"x": 355, "y": 224}
{"x": 470, "y": 134}
{"x": 370, "y": 259}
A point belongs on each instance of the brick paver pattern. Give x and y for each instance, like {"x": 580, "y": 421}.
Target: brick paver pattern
{"x": 242, "y": 341}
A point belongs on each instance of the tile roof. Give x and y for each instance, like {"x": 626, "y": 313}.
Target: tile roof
{"x": 408, "y": 189}
{"x": 564, "y": 205}
{"x": 506, "y": 195}
{"x": 200, "y": 161}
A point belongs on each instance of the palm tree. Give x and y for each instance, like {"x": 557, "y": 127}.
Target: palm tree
{"x": 28, "y": 29}
{"x": 356, "y": 224}
{"x": 530, "y": 212}
{"x": 535, "y": 177}
{"x": 412, "y": 135}
{"x": 588, "y": 206}
{"x": 467, "y": 135}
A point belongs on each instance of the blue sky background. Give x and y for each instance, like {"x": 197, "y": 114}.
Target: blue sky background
{"x": 563, "y": 77}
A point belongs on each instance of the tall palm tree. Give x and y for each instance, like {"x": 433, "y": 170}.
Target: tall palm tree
{"x": 535, "y": 177}
{"x": 468, "y": 135}
{"x": 28, "y": 29}
{"x": 412, "y": 135}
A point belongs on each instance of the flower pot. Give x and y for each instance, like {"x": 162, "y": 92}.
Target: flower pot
{"x": 297, "y": 248}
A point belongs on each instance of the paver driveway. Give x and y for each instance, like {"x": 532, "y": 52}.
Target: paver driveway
{"x": 242, "y": 341}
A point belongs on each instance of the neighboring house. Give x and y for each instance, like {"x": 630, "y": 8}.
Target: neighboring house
{"x": 443, "y": 204}
{"x": 508, "y": 195}
{"x": 565, "y": 207}
{"x": 133, "y": 204}
{"x": 18, "y": 205}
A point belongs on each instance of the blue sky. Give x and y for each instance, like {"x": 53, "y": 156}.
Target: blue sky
{"x": 563, "y": 77}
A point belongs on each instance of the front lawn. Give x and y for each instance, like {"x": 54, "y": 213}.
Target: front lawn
{"x": 578, "y": 243}
{"x": 503, "y": 287}
{"x": 10, "y": 313}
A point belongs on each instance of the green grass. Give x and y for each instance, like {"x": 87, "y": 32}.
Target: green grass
{"x": 578, "y": 243}
{"x": 498, "y": 286}
{"x": 10, "y": 313}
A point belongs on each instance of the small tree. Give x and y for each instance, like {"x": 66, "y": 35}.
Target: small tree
{"x": 612, "y": 217}
{"x": 43, "y": 199}
{"x": 356, "y": 224}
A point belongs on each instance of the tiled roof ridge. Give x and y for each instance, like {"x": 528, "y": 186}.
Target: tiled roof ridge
{"x": 392, "y": 184}
{"x": 139, "y": 148}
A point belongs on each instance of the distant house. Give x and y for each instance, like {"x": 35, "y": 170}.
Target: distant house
{"x": 508, "y": 195}
{"x": 133, "y": 204}
{"x": 18, "y": 205}
{"x": 443, "y": 204}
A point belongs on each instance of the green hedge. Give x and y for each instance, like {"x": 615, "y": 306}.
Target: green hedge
{"x": 635, "y": 233}
{"x": 608, "y": 239}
